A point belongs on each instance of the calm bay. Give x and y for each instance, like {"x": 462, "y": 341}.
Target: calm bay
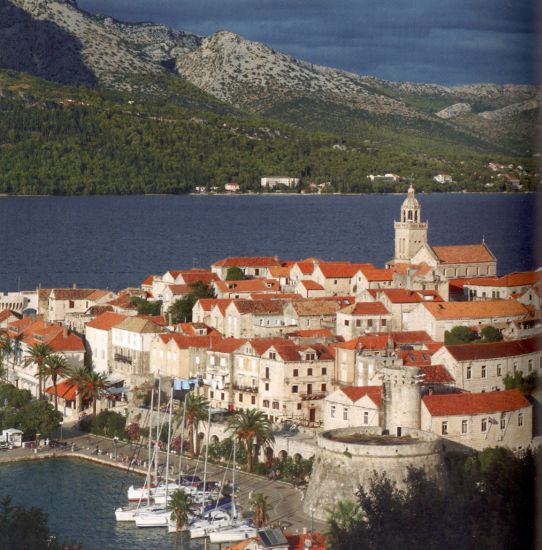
{"x": 114, "y": 242}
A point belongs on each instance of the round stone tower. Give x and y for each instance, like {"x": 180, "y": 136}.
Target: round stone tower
{"x": 401, "y": 398}
{"x": 410, "y": 231}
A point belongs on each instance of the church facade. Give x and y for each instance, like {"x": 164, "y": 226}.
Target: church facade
{"x": 446, "y": 262}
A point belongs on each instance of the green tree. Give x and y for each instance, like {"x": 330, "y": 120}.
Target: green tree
{"x": 6, "y": 348}
{"x": 145, "y": 307}
{"x": 182, "y": 507}
{"x": 490, "y": 334}
{"x": 251, "y": 427}
{"x": 181, "y": 310}
{"x": 91, "y": 385}
{"x": 38, "y": 354}
{"x": 55, "y": 367}
{"x": 458, "y": 335}
{"x": 525, "y": 384}
{"x": 38, "y": 417}
{"x": 197, "y": 407}
{"x": 235, "y": 274}
{"x": 342, "y": 519}
{"x": 24, "y": 529}
{"x": 261, "y": 508}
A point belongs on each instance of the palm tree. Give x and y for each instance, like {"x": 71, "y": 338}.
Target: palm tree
{"x": 181, "y": 506}
{"x": 250, "y": 426}
{"x": 38, "y": 354}
{"x": 6, "y": 347}
{"x": 55, "y": 367}
{"x": 260, "y": 505}
{"x": 196, "y": 411}
{"x": 91, "y": 385}
{"x": 341, "y": 518}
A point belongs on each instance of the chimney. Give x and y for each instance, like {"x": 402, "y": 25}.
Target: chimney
{"x": 74, "y": 285}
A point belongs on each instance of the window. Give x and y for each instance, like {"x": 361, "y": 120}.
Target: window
{"x": 358, "y": 322}
{"x": 324, "y": 371}
{"x": 222, "y": 396}
{"x": 366, "y": 417}
{"x": 266, "y": 403}
{"x": 503, "y": 421}
{"x": 211, "y": 394}
{"x": 295, "y": 389}
{"x": 520, "y": 419}
{"x": 323, "y": 387}
{"x": 515, "y": 367}
{"x": 469, "y": 373}
{"x": 499, "y": 370}
{"x": 272, "y": 355}
{"x": 299, "y": 406}
{"x": 267, "y": 386}
{"x": 267, "y": 372}
{"x": 276, "y": 405}
{"x": 346, "y": 323}
{"x": 296, "y": 372}
{"x": 483, "y": 371}
{"x": 309, "y": 372}
{"x": 332, "y": 411}
{"x": 240, "y": 398}
{"x": 383, "y": 322}
{"x": 310, "y": 357}
{"x": 335, "y": 282}
{"x": 71, "y": 304}
{"x": 444, "y": 428}
{"x": 345, "y": 413}
{"x": 464, "y": 426}
{"x": 253, "y": 400}
{"x": 369, "y": 323}
{"x": 530, "y": 365}
{"x": 484, "y": 424}
{"x": 256, "y": 271}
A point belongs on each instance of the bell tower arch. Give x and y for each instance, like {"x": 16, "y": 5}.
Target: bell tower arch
{"x": 410, "y": 231}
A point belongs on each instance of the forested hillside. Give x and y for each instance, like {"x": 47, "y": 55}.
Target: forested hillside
{"x": 57, "y": 139}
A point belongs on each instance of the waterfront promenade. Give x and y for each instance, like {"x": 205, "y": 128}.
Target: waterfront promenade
{"x": 285, "y": 500}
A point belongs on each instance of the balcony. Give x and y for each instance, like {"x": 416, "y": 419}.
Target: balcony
{"x": 120, "y": 358}
{"x": 312, "y": 396}
{"x": 249, "y": 389}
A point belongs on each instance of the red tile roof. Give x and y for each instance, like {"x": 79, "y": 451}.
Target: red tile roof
{"x": 374, "y": 393}
{"x": 248, "y": 286}
{"x": 185, "y": 342}
{"x": 227, "y": 345}
{"x": 341, "y": 270}
{"x": 365, "y": 308}
{"x": 196, "y": 276}
{"x": 310, "y": 333}
{"x": 403, "y": 296}
{"x": 69, "y": 342}
{"x": 275, "y": 296}
{"x": 106, "y": 321}
{"x": 207, "y": 304}
{"x": 370, "y": 342}
{"x": 523, "y": 278}
{"x": 259, "y": 307}
{"x": 476, "y": 310}
{"x": 71, "y": 293}
{"x": 65, "y": 390}
{"x": 300, "y": 542}
{"x": 453, "y": 404}
{"x": 415, "y": 358}
{"x": 179, "y": 290}
{"x": 495, "y": 350}
{"x": 248, "y": 261}
{"x": 375, "y": 274}
{"x": 148, "y": 280}
{"x": 463, "y": 254}
{"x": 7, "y": 313}
{"x": 311, "y": 285}
{"x": 436, "y": 374}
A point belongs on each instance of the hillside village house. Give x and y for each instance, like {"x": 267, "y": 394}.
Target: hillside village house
{"x": 483, "y": 366}
{"x": 277, "y": 181}
{"x": 335, "y": 277}
{"x": 313, "y": 314}
{"x": 58, "y": 302}
{"x": 400, "y": 303}
{"x": 243, "y": 289}
{"x": 131, "y": 340}
{"x": 512, "y": 285}
{"x": 204, "y": 312}
{"x": 178, "y": 277}
{"x": 254, "y": 318}
{"x": 174, "y": 355}
{"x": 371, "y": 277}
{"x": 256, "y": 266}
{"x": 353, "y": 406}
{"x": 310, "y": 289}
{"x": 301, "y": 271}
{"x": 8, "y": 316}
{"x": 19, "y": 302}
{"x": 29, "y": 332}
{"x": 98, "y": 336}
{"x": 362, "y": 318}
{"x": 439, "y": 317}
{"x": 479, "y": 420}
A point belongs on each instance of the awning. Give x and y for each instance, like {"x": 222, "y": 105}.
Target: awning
{"x": 114, "y": 379}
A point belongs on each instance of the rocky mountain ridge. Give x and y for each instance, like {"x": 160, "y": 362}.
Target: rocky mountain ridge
{"x": 55, "y": 39}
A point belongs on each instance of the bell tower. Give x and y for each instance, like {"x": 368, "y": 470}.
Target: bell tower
{"x": 410, "y": 231}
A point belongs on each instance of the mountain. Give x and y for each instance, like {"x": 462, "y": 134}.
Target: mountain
{"x": 56, "y": 40}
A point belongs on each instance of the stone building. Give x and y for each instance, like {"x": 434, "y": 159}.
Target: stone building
{"x": 362, "y": 318}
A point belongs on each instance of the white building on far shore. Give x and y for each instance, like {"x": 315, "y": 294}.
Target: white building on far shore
{"x": 274, "y": 181}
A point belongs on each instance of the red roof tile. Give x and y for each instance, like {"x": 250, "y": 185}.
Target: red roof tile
{"x": 476, "y": 310}
{"x": 415, "y": 358}
{"x": 475, "y": 403}
{"x": 341, "y": 270}
{"x": 354, "y": 393}
{"x": 311, "y": 285}
{"x": 365, "y": 308}
{"x": 65, "y": 390}
{"x": 495, "y": 350}
{"x": 463, "y": 254}
{"x": 106, "y": 321}
{"x": 436, "y": 374}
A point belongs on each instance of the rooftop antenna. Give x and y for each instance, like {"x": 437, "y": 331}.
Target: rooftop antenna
{"x": 483, "y": 239}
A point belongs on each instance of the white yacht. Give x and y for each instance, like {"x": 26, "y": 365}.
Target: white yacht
{"x": 233, "y": 534}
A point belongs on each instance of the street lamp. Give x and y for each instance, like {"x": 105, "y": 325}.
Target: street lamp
{"x": 61, "y": 424}
{"x": 312, "y": 518}
{"x": 116, "y": 441}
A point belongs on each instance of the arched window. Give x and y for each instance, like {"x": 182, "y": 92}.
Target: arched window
{"x": 410, "y": 214}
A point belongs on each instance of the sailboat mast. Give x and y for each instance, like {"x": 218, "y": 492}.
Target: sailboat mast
{"x": 206, "y": 458}
{"x": 157, "y": 455}
{"x": 169, "y": 439}
{"x": 150, "y": 447}
{"x": 233, "y": 508}
{"x": 182, "y": 436}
